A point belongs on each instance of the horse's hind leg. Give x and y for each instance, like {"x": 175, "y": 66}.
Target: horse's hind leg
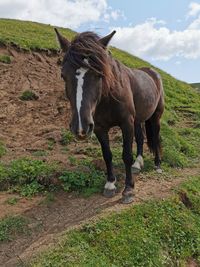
{"x": 109, "y": 188}
{"x": 139, "y": 138}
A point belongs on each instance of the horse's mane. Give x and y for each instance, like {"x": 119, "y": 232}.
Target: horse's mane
{"x": 86, "y": 45}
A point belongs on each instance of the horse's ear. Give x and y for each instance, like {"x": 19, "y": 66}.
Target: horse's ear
{"x": 105, "y": 40}
{"x": 64, "y": 43}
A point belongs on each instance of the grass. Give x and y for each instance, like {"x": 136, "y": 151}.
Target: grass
{"x": 67, "y": 137}
{"x": 29, "y": 177}
{"x": 155, "y": 233}
{"x": 28, "y": 95}
{"x": 26, "y": 176}
{"x": 29, "y": 35}
{"x": 11, "y": 226}
{"x": 5, "y": 59}
{"x": 2, "y": 149}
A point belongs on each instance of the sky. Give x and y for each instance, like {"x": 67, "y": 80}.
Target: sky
{"x": 163, "y": 32}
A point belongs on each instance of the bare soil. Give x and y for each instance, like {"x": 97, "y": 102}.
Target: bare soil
{"x": 26, "y": 126}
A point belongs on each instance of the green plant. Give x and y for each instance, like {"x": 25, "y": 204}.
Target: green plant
{"x": 5, "y": 59}
{"x": 67, "y": 137}
{"x": 28, "y": 190}
{"x": 84, "y": 180}
{"x": 11, "y": 226}
{"x": 28, "y": 95}
{"x": 12, "y": 200}
{"x": 51, "y": 143}
{"x": 2, "y": 149}
{"x": 26, "y": 176}
{"x": 40, "y": 153}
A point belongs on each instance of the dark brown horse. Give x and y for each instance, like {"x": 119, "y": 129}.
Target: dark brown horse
{"x": 104, "y": 93}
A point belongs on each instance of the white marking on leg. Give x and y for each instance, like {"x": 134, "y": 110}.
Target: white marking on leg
{"x": 80, "y": 73}
{"x": 139, "y": 163}
{"x": 110, "y": 185}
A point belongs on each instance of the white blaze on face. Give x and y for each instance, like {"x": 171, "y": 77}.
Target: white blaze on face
{"x": 80, "y": 73}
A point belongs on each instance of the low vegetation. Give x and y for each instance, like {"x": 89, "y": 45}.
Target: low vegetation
{"x": 28, "y": 95}
{"x": 11, "y": 226}
{"x": 155, "y": 233}
{"x": 2, "y": 149}
{"x": 5, "y": 59}
{"x": 26, "y": 176}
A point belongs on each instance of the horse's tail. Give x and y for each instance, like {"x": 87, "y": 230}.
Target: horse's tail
{"x": 152, "y": 127}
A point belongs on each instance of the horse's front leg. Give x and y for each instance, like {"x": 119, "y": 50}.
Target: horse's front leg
{"x": 128, "y": 132}
{"x": 109, "y": 188}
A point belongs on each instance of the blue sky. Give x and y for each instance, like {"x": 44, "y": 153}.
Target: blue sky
{"x": 164, "y": 32}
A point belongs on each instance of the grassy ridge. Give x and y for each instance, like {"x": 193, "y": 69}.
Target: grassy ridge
{"x": 30, "y": 35}
{"x": 156, "y": 233}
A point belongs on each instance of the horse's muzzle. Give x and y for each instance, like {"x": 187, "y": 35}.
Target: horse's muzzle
{"x": 82, "y": 134}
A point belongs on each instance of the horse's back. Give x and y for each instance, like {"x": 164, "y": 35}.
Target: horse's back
{"x": 147, "y": 92}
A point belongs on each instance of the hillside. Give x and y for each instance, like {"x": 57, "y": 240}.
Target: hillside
{"x": 195, "y": 85}
{"x": 181, "y": 118}
{"x": 48, "y": 179}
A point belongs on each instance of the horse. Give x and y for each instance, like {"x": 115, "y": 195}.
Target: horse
{"x": 104, "y": 93}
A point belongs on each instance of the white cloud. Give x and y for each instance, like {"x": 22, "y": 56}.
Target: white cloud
{"x": 194, "y": 9}
{"x": 156, "y": 42}
{"x": 66, "y": 13}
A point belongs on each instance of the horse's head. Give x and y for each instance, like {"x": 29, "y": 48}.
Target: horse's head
{"x": 85, "y": 71}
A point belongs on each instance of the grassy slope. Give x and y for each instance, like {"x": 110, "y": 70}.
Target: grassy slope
{"x": 129, "y": 239}
{"x": 156, "y": 233}
{"x": 182, "y": 115}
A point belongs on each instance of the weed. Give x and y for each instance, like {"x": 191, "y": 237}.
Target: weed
{"x": 28, "y": 95}
{"x": 12, "y": 200}
{"x": 84, "y": 180}
{"x": 2, "y": 149}
{"x": 11, "y": 226}
{"x": 5, "y": 59}
{"x": 40, "y": 153}
{"x": 51, "y": 143}
{"x": 67, "y": 137}
{"x": 26, "y": 176}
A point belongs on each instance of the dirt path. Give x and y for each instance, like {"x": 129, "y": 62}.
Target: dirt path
{"x": 47, "y": 221}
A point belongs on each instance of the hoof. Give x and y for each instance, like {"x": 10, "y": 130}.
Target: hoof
{"x": 127, "y": 199}
{"x": 158, "y": 170}
{"x": 127, "y": 195}
{"x": 109, "y": 192}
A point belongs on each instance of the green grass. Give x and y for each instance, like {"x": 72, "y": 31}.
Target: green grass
{"x": 67, "y": 137}
{"x": 29, "y": 177}
{"x": 5, "y": 59}
{"x": 29, "y": 35}
{"x": 11, "y": 226}
{"x": 155, "y": 233}
{"x": 26, "y": 176}
{"x": 28, "y": 95}
{"x": 2, "y": 149}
